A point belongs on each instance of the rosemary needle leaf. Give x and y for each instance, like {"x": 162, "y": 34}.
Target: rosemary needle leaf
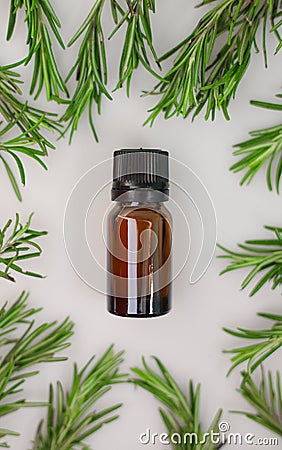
{"x": 138, "y": 40}
{"x": 39, "y": 14}
{"x": 267, "y": 341}
{"x": 18, "y": 246}
{"x": 265, "y": 398}
{"x": 72, "y": 415}
{"x": 22, "y": 348}
{"x": 264, "y": 148}
{"x": 23, "y": 144}
{"x": 181, "y": 413}
{"x": 262, "y": 255}
{"x": 203, "y": 77}
{"x": 29, "y": 120}
{"x": 91, "y": 71}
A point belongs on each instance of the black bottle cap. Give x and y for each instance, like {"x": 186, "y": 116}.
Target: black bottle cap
{"x": 140, "y": 168}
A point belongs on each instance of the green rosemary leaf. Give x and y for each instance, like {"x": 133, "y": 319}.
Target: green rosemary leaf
{"x": 91, "y": 70}
{"x": 268, "y": 341}
{"x": 12, "y": 20}
{"x": 22, "y": 348}
{"x": 20, "y": 166}
{"x": 125, "y": 16}
{"x": 39, "y": 14}
{"x": 20, "y": 144}
{"x": 71, "y": 417}
{"x": 201, "y": 77}
{"x": 265, "y": 397}
{"x": 267, "y": 105}
{"x": 114, "y": 11}
{"x": 264, "y": 149}
{"x": 87, "y": 22}
{"x": 181, "y": 414}
{"x": 17, "y": 314}
{"x": 12, "y": 178}
{"x": 25, "y": 116}
{"x": 264, "y": 256}
{"x": 29, "y": 120}
{"x": 13, "y": 250}
{"x": 53, "y": 20}
{"x": 138, "y": 40}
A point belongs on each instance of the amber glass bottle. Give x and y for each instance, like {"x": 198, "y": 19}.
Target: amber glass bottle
{"x": 139, "y": 228}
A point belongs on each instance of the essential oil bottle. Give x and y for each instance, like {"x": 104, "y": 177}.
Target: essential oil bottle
{"x": 139, "y": 234}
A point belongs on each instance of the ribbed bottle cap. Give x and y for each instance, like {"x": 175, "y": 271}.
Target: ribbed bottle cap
{"x": 140, "y": 168}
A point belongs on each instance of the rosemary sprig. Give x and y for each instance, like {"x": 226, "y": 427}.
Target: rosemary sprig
{"x": 266, "y": 399}
{"x": 39, "y": 16}
{"x": 23, "y": 144}
{"x": 30, "y": 120}
{"x": 30, "y": 142}
{"x": 91, "y": 71}
{"x": 265, "y": 148}
{"x": 200, "y": 78}
{"x": 33, "y": 345}
{"x": 138, "y": 40}
{"x": 180, "y": 413}
{"x": 91, "y": 63}
{"x": 267, "y": 341}
{"x": 19, "y": 246}
{"x": 264, "y": 255}
{"x": 71, "y": 415}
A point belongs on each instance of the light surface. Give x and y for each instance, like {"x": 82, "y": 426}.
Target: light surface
{"x": 190, "y": 340}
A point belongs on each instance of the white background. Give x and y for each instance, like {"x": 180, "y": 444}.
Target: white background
{"x": 190, "y": 339}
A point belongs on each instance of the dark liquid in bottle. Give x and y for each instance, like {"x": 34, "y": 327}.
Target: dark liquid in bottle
{"x": 138, "y": 260}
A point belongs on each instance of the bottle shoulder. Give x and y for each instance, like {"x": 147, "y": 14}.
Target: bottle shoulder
{"x": 139, "y": 211}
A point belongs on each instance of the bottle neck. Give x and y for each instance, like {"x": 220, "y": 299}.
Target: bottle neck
{"x": 141, "y": 196}
{"x": 151, "y": 205}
